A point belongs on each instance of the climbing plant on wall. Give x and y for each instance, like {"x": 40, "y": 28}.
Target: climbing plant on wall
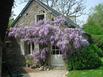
{"x": 52, "y": 33}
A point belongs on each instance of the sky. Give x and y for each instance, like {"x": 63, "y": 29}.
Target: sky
{"x": 88, "y": 4}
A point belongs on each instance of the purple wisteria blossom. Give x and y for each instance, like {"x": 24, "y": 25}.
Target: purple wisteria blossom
{"x": 44, "y": 32}
{"x": 41, "y": 56}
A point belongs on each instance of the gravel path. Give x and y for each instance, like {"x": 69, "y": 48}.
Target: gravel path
{"x": 51, "y": 73}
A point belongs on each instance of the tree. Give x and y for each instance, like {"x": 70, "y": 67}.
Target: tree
{"x": 5, "y": 7}
{"x": 51, "y": 33}
{"x": 11, "y": 20}
{"x": 94, "y": 22}
{"x": 96, "y": 16}
{"x": 94, "y": 25}
{"x": 67, "y": 7}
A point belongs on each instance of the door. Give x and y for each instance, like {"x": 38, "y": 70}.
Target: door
{"x": 56, "y": 57}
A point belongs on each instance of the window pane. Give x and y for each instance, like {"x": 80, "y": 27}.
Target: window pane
{"x": 36, "y": 47}
{"x": 41, "y": 46}
{"x": 32, "y": 46}
{"x": 55, "y": 50}
{"x": 40, "y": 17}
{"x": 27, "y": 48}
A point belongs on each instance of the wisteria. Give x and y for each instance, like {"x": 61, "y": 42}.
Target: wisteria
{"x": 51, "y": 33}
{"x": 41, "y": 56}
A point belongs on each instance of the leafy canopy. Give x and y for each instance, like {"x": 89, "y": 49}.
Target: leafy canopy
{"x": 94, "y": 24}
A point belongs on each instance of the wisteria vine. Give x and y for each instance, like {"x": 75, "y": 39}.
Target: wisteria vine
{"x": 51, "y": 32}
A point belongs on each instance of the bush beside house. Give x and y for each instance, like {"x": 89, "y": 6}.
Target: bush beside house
{"x": 85, "y": 58}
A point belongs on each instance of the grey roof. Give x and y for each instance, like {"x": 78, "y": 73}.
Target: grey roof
{"x": 54, "y": 12}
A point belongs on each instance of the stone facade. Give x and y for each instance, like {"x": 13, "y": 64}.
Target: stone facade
{"x": 13, "y": 57}
{"x": 29, "y": 17}
{"x": 12, "y": 60}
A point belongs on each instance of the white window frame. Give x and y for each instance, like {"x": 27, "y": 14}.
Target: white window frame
{"x": 21, "y": 42}
{"x": 22, "y": 47}
{"x": 55, "y": 50}
{"x": 35, "y": 48}
{"x": 31, "y": 48}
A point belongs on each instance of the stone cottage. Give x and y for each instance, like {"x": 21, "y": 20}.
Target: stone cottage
{"x": 34, "y": 11}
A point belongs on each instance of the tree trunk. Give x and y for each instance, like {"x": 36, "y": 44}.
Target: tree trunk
{"x": 5, "y": 11}
{"x": 0, "y": 58}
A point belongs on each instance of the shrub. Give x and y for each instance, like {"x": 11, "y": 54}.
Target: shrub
{"x": 98, "y": 40}
{"x": 97, "y": 50}
{"x": 84, "y": 58}
{"x": 29, "y": 60}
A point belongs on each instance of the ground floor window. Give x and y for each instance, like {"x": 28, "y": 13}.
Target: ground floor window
{"x": 28, "y": 48}
{"x": 55, "y": 50}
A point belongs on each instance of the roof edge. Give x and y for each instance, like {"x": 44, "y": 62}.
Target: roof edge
{"x": 22, "y": 12}
{"x": 46, "y": 7}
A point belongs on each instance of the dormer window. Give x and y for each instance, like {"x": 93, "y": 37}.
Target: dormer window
{"x": 40, "y": 17}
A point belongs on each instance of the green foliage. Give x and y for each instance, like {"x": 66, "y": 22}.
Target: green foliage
{"x": 97, "y": 50}
{"x": 86, "y": 73}
{"x": 95, "y": 21}
{"x": 84, "y": 58}
{"x": 94, "y": 25}
{"x": 29, "y": 60}
{"x": 98, "y": 40}
{"x": 96, "y": 17}
{"x": 11, "y": 20}
{"x": 93, "y": 29}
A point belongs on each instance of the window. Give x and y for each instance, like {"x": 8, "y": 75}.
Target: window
{"x": 55, "y": 50}
{"x": 41, "y": 46}
{"x": 40, "y": 17}
{"x": 28, "y": 48}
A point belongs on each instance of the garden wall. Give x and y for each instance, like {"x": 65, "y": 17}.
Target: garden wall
{"x": 13, "y": 57}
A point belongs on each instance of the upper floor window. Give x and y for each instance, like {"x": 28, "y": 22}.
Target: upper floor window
{"x": 40, "y": 17}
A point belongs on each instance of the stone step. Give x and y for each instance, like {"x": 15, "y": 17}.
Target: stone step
{"x": 59, "y": 68}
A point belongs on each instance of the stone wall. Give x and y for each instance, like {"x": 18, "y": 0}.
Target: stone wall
{"x": 13, "y": 57}
{"x": 29, "y": 17}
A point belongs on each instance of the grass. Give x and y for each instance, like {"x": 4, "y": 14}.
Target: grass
{"x": 87, "y": 73}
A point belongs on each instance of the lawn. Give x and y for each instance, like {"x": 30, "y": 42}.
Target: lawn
{"x": 87, "y": 73}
